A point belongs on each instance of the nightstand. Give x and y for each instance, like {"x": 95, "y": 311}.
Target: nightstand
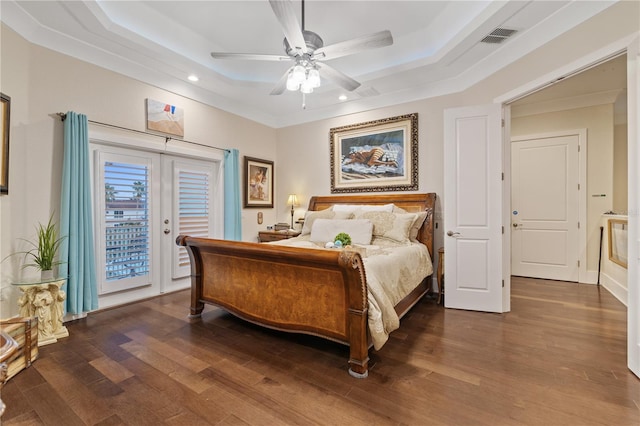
{"x": 266, "y": 236}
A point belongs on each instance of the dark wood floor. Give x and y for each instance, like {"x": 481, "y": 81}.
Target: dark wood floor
{"x": 558, "y": 358}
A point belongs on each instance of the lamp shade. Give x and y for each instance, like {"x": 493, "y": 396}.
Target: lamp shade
{"x": 292, "y": 83}
{"x": 292, "y": 200}
{"x": 306, "y": 87}
{"x": 299, "y": 73}
{"x": 314, "y": 78}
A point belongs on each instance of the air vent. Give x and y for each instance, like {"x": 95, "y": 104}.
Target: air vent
{"x": 366, "y": 92}
{"x": 498, "y": 35}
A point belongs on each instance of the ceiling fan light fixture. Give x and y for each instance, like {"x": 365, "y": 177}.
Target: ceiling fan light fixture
{"x": 306, "y": 87}
{"x": 299, "y": 73}
{"x": 314, "y": 78}
{"x": 307, "y": 50}
{"x": 292, "y": 83}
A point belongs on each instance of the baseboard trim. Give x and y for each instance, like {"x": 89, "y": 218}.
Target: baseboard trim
{"x": 618, "y": 290}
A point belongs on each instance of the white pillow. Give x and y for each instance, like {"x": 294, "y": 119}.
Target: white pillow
{"x": 363, "y": 207}
{"x": 311, "y": 216}
{"x": 325, "y": 230}
{"x": 392, "y": 226}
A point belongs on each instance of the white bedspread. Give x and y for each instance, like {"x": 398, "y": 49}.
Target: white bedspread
{"x": 392, "y": 271}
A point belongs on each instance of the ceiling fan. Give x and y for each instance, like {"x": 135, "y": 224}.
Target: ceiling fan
{"x": 307, "y": 50}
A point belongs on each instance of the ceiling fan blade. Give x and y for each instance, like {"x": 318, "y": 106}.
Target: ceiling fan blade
{"x": 281, "y": 85}
{"x": 341, "y": 79}
{"x": 356, "y": 45}
{"x": 249, "y": 56}
{"x": 286, "y": 15}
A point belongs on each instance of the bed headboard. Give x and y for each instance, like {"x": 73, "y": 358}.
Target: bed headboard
{"x": 409, "y": 202}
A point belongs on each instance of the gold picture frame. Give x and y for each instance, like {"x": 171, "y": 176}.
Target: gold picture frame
{"x": 618, "y": 230}
{"x": 258, "y": 182}
{"x": 5, "y": 117}
{"x": 375, "y": 156}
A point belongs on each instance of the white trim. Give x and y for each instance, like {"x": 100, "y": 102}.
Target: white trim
{"x": 633, "y": 264}
{"x": 592, "y": 59}
{"x": 506, "y": 208}
{"x": 631, "y": 45}
{"x": 562, "y": 104}
{"x": 146, "y": 142}
{"x": 618, "y": 290}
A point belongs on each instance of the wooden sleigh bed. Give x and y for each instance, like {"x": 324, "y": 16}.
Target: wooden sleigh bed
{"x": 319, "y": 292}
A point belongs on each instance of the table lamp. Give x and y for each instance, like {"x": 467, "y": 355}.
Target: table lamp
{"x": 293, "y": 200}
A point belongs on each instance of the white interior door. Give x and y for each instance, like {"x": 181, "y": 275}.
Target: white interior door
{"x": 473, "y": 196}
{"x": 544, "y": 202}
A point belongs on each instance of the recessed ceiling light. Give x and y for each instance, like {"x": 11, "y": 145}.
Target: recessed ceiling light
{"x": 193, "y": 78}
{"x": 342, "y": 97}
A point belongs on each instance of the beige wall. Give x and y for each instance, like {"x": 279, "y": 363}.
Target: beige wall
{"x": 598, "y": 120}
{"x": 42, "y": 82}
{"x": 305, "y": 148}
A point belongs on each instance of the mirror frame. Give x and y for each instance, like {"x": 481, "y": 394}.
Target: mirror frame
{"x": 614, "y": 256}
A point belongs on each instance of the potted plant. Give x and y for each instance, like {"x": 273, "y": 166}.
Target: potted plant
{"x": 44, "y": 252}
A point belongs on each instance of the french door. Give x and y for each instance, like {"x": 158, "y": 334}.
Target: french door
{"x": 142, "y": 201}
{"x": 188, "y": 194}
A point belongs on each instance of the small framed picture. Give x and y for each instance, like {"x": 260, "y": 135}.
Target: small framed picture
{"x": 258, "y": 182}
{"x": 165, "y": 118}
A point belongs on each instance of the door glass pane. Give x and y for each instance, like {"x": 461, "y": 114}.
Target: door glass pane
{"x": 126, "y": 219}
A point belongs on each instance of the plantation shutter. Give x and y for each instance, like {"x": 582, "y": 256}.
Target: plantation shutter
{"x": 193, "y": 186}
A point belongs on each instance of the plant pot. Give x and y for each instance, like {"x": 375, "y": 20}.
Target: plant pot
{"x": 46, "y": 275}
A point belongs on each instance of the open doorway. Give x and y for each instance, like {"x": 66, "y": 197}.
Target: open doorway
{"x": 592, "y": 102}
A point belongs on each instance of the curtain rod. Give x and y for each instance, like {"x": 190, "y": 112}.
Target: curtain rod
{"x": 63, "y": 115}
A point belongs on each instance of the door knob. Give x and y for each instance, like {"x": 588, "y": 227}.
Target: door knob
{"x": 452, "y": 234}
{"x": 166, "y": 231}
{"x": 515, "y": 225}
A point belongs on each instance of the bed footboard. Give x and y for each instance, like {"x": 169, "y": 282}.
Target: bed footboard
{"x": 312, "y": 291}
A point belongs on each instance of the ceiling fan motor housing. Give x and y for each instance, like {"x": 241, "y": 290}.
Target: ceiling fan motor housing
{"x": 312, "y": 40}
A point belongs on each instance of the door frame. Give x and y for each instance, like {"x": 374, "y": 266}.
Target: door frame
{"x": 583, "y": 276}
{"x": 631, "y": 46}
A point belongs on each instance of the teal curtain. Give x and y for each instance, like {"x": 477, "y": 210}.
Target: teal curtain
{"x": 76, "y": 224}
{"x": 232, "y": 197}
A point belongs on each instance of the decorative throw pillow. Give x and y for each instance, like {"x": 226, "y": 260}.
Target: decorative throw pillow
{"x": 417, "y": 224}
{"x": 391, "y": 226}
{"x": 397, "y": 209}
{"x": 311, "y": 216}
{"x": 325, "y": 230}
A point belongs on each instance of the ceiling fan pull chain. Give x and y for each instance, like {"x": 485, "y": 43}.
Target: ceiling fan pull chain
{"x": 302, "y": 15}
{"x": 304, "y": 101}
